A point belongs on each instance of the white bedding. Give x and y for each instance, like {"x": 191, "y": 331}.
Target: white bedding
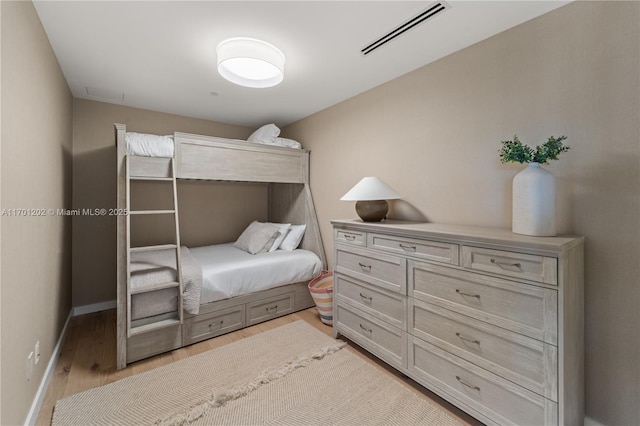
{"x": 228, "y": 271}
{"x": 159, "y": 266}
{"x": 147, "y": 145}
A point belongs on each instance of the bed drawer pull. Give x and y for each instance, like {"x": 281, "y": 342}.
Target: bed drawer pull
{"x": 467, "y": 384}
{"x": 368, "y": 298}
{"x": 271, "y": 308}
{"x": 408, "y": 248}
{"x": 462, "y": 293}
{"x": 363, "y": 266}
{"x": 368, "y": 330}
{"x": 503, "y": 264}
{"x": 468, "y": 339}
{"x": 219, "y": 323}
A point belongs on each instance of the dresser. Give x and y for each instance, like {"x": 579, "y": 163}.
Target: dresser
{"x": 489, "y": 320}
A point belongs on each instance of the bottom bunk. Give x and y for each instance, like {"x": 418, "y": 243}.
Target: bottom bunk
{"x": 224, "y": 316}
{"x": 225, "y": 289}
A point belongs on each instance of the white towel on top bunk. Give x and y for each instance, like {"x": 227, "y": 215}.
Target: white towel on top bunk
{"x": 147, "y": 145}
{"x": 268, "y": 135}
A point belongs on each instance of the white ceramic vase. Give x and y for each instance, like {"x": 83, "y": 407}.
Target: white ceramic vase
{"x": 534, "y": 202}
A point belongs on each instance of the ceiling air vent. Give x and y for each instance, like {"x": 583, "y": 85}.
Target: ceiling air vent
{"x": 433, "y": 10}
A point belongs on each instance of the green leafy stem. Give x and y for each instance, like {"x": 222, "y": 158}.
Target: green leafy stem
{"x": 514, "y": 151}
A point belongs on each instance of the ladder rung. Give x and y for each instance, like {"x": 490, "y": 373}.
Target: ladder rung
{"x": 152, "y": 211}
{"x": 154, "y": 326}
{"x": 150, "y": 248}
{"x": 152, "y": 178}
{"x": 155, "y": 287}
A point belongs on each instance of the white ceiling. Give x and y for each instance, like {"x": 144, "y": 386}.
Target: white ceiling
{"x": 160, "y": 55}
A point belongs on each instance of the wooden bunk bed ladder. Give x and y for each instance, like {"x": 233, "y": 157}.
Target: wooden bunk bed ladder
{"x": 133, "y": 330}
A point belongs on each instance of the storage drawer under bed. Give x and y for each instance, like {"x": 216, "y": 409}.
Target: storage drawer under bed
{"x": 203, "y": 327}
{"x": 270, "y": 308}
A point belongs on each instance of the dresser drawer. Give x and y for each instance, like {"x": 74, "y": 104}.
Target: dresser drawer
{"x": 355, "y": 238}
{"x": 500, "y": 400}
{"x": 523, "y": 360}
{"x": 510, "y": 264}
{"x": 202, "y": 327}
{"x": 385, "y": 271}
{"x": 267, "y": 309}
{"x": 382, "y": 304}
{"x": 421, "y": 249}
{"x": 385, "y": 341}
{"x": 523, "y": 308}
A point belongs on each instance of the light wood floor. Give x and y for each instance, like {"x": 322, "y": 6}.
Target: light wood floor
{"x": 88, "y": 358}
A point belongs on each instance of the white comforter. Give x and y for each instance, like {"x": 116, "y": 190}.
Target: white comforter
{"x": 228, "y": 271}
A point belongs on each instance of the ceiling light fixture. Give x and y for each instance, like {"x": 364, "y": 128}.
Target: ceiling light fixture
{"x": 249, "y": 62}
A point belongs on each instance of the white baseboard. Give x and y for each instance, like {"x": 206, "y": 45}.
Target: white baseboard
{"x": 44, "y": 384}
{"x": 588, "y": 421}
{"x": 96, "y": 307}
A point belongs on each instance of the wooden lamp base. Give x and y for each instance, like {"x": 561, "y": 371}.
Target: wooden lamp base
{"x": 372, "y": 211}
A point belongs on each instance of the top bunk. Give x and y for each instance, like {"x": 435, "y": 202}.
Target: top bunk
{"x": 285, "y": 171}
{"x": 213, "y": 158}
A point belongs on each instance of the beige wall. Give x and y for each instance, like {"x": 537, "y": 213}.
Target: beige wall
{"x": 36, "y": 173}
{"x": 433, "y": 135}
{"x": 210, "y": 213}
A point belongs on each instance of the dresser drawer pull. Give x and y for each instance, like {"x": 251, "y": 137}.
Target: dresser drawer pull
{"x": 363, "y": 266}
{"x": 407, "y": 248}
{"x": 217, "y": 324}
{"x": 349, "y": 237}
{"x": 468, "y": 339}
{"x": 503, "y": 264}
{"x": 368, "y": 298}
{"x": 467, "y": 384}
{"x": 462, "y": 293}
{"x": 368, "y": 330}
{"x": 271, "y": 308}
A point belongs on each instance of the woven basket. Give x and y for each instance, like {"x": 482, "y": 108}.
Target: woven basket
{"x": 321, "y": 289}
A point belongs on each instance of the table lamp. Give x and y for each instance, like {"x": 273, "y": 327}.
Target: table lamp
{"x": 371, "y": 195}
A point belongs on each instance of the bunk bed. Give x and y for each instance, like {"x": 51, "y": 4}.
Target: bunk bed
{"x": 162, "y": 303}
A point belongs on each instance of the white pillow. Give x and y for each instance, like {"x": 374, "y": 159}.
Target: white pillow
{"x": 293, "y": 238}
{"x": 282, "y": 233}
{"x": 257, "y": 237}
{"x": 290, "y": 143}
{"x": 265, "y": 134}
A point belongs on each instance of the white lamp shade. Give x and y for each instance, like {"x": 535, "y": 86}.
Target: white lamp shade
{"x": 250, "y": 62}
{"x": 371, "y": 188}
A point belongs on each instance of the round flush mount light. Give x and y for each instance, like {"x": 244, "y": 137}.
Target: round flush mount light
{"x": 250, "y": 62}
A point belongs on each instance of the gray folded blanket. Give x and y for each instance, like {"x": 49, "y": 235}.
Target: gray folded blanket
{"x": 159, "y": 266}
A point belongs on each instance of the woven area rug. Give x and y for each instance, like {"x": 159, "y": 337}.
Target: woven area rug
{"x": 291, "y": 375}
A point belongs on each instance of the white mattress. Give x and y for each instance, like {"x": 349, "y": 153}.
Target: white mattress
{"x": 228, "y": 271}
{"x": 147, "y": 145}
